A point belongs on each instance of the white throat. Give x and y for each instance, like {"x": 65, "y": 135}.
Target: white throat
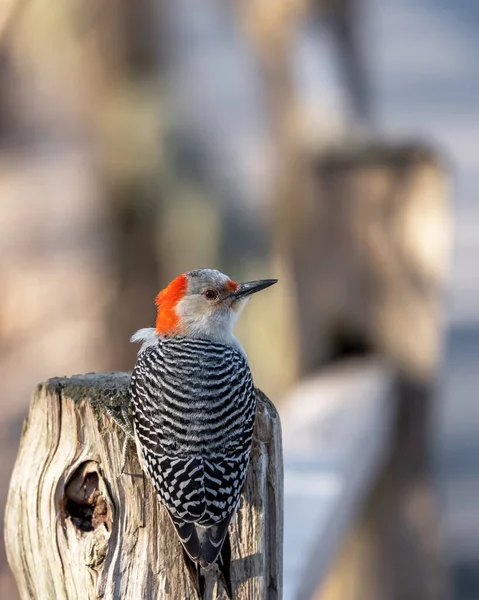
{"x": 216, "y": 326}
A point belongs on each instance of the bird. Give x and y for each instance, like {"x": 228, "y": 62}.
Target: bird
{"x": 193, "y": 408}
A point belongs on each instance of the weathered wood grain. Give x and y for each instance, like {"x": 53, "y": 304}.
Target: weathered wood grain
{"x": 76, "y": 529}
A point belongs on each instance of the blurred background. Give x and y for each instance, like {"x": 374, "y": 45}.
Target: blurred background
{"x": 333, "y": 144}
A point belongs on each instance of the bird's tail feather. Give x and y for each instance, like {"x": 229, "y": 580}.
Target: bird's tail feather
{"x": 197, "y": 577}
{"x": 224, "y": 564}
{"x": 211, "y": 539}
{"x": 203, "y": 547}
{"x": 194, "y": 571}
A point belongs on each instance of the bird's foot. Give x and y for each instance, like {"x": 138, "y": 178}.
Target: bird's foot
{"x": 123, "y": 420}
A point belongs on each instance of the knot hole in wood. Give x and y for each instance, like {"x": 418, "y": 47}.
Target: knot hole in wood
{"x": 84, "y": 503}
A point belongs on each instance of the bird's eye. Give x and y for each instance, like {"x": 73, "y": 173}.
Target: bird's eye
{"x": 211, "y": 294}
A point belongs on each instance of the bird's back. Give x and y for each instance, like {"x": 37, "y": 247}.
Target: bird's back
{"x": 194, "y": 407}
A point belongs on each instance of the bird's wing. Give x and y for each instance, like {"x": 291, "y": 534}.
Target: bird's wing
{"x": 223, "y": 481}
{"x": 179, "y": 483}
{"x": 178, "y": 480}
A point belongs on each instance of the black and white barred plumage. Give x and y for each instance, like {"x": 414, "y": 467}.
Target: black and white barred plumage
{"x": 194, "y": 407}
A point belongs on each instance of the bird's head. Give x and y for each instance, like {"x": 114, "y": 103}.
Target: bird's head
{"x": 203, "y": 303}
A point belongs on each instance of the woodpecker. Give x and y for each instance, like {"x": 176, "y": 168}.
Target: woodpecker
{"x": 193, "y": 406}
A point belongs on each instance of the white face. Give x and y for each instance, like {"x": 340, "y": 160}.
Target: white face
{"x": 208, "y": 309}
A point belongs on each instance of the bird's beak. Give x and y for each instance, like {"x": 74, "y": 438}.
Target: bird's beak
{"x": 251, "y": 287}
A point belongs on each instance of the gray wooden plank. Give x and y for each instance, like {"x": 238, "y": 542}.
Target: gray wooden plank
{"x": 335, "y": 434}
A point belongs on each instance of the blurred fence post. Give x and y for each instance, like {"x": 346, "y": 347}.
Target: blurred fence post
{"x": 369, "y": 258}
{"x": 75, "y": 529}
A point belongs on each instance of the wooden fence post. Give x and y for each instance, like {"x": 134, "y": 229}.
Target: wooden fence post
{"x": 75, "y": 529}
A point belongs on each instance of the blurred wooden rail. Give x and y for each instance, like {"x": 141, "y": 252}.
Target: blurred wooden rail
{"x": 337, "y": 429}
{"x": 76, "y": 530}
